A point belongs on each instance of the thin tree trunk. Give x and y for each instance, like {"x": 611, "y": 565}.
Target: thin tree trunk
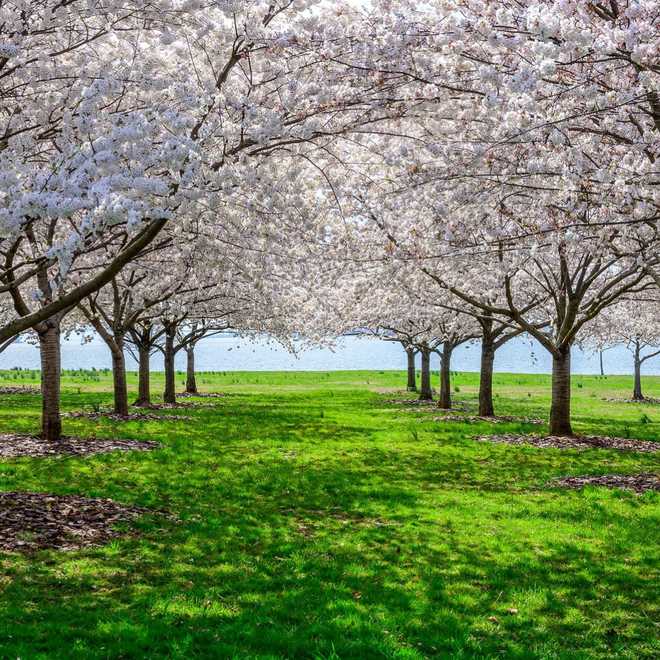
{"x": 637, "y": 390}
{"x": 51, "y": 365}
{"x": 560, "y": 410}
{"x": 119, "y": 378}
{"x": 191, "y": 383}
{"x": 486, "y": 407}
{"x": 444, "y": 401}
{"x": 412, "y": 375}
{"x": 602, "y": 368}
{"x": 169, "y": 396}
{"x": 426, "y": 393}
{"x": 144, "y": 385}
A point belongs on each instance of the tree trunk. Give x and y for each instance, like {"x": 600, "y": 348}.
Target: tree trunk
{"x": 191, "y": 383}
{"x": 444, "y": 401}
{"x": 144, "y": 385}
{"x": 560, "y": 410}
{"x": 119, "y": 378}
{"x": 486, "y": 408}
{"x": 412, "y": 376}
{"x": 602, "y": 367}
{"x": 51, "y": 365}
{"x": 169, "y": 396}
{"x": 426, "y": 393}
{"x": 637, "y": 390}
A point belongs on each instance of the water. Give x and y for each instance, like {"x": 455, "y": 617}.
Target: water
{"x": 228, "y": 353}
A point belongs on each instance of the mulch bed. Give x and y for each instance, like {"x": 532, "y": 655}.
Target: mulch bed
{"x": 498, "y": 419}
{"x": 174, "y": 406}
{"x": 201, "y": 395}
{"x": 19, "y": 390}
{"x": 640, "y": 483}
{"x": 646, "y": 401}
{"x": 17, "y": 446}
{"x": 36, "y": 521}
{"x": 578, "y": 442}
{"x": 131, "y": 417}
{"x": 459, "y": 406}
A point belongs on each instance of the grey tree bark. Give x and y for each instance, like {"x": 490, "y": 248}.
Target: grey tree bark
{"x": 191, "y": 382}
{"x": 637, "y": 388}
{"x": 560, "y": 409}
{"x": 486, "y": 407}
{"x": 444, "y": 401}
{"x": 169, "y": 395}
{"x": 412, "y": 374}
{"x": 144, "y": 377}
{"x": 426, "y": 392}
{"x": 51, "y": 366}
{"x": 120, "y": 386}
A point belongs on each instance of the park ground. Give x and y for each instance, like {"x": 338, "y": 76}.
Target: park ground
{"x": 309, "y": 517}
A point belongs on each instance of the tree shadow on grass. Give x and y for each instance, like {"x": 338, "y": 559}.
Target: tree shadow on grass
{"x": 249, "y": 581}
{"x": 300, "y": 535}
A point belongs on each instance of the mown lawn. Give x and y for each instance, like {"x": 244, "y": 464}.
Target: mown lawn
{"x": 315, "y": 520}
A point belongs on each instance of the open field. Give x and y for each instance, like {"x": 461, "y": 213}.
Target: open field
{"x": 312, "y": 518}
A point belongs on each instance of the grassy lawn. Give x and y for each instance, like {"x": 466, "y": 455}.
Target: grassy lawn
{"x": 315, "y": 520}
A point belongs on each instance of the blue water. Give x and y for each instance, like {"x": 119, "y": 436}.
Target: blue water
{"x": 228, "y": 353}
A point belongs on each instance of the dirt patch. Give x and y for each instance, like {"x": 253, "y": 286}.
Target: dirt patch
{"x": 131, "y": 417}
{"x": 578, "y": 442}
{"x": 19, "y": 390}
{"x": 640, "y": 483}
{"x": 498, "y": 419}
{"x": 18, "y": 446}
{"x": 35, "y": 521}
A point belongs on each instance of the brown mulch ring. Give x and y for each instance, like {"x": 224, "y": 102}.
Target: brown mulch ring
{"x": 18, "y": 446}
{"x": 36, "y": 521}
{"x": 498, "y": 419}
{"x": 460, "y": 406}
{"x": 640, "y": 483}
{"x": 201, "y": 395}
{"x": 174, "y": 406}
{"x": 647, "y": 401}
{"x": 578, "y": 442}
{"x": 131, "y": 417}
{"x": 19, "y": 390}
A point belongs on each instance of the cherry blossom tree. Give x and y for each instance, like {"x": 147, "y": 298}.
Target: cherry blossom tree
{"x": 635, "y": 324}
{"x": 539, "y": 170}
{"x": 118, "y": 121}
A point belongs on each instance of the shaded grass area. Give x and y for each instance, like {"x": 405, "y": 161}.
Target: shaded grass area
{"x": 315, "y": 520}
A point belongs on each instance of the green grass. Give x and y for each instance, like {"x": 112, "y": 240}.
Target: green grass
{"x": 316, "y": 521}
